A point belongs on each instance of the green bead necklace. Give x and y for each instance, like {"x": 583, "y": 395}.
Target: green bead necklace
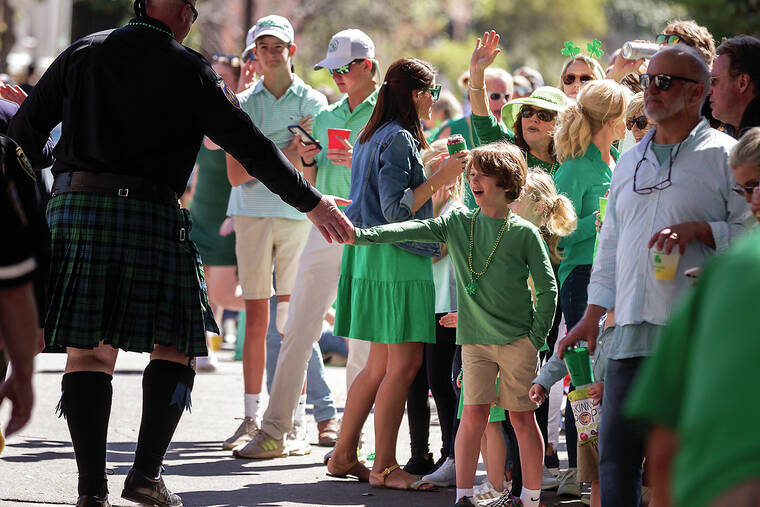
{"x": 137, "y": 23}
{"x": 472, "y": 287}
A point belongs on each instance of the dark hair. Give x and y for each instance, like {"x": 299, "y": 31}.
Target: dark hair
{"x": 520, "y": 139}
{"x": 744, "y": 53}
{"x": 394, "y": 100}
{"x": 505, "y": 162}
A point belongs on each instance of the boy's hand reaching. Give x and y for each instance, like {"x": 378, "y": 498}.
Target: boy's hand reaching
{"x": 537, "y": 393}
{"x": 596, "y": 391}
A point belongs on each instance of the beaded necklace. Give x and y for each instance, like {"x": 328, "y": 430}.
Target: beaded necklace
{"x": 472, "y": 287}
{"x": 138, "y": 23}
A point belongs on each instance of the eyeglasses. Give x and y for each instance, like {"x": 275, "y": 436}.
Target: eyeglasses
{"x": 641, "y": 122}
{"x": 664, "y": 38}
{"x": 499, "y": 96}
{"x": 570, "y": 78}
{"x": 662, "y": 81}
{"x": 541, "y": 114}
{"x": 747, "y": 189}
{"x": 343, "y": 69}
{"x": 192, "y": 8}
{"x": 435, "y": 91}
{"x": 664, "y": 183}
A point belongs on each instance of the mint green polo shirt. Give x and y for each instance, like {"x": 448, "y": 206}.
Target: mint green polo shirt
{"x": 272, "y": 116}
{"x": 334, "y": 179}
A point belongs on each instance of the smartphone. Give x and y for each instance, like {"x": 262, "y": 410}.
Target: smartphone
{"x": 298, "y": 130}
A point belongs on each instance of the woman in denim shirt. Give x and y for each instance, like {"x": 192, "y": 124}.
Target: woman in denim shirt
{"x": 386, "y": 293}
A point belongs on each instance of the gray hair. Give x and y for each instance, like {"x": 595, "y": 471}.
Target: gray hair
{"x": 747, "y": 151}
{"x": 697, "y": 66}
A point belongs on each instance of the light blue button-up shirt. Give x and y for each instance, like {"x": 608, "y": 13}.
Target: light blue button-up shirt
{"x": 623, "y": 273}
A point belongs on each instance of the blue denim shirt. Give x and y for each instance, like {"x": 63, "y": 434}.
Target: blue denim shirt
{"x": 384, "y": 172}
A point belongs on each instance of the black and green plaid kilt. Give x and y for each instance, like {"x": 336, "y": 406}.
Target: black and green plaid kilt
{"x": 124, "y": 272}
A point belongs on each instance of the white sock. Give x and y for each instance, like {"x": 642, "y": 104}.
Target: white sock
{"x": 300, "y": 411}
{"x": 461, "y": 493}
{"x": 252, "y": 406}
{"x": 530, "y": 497}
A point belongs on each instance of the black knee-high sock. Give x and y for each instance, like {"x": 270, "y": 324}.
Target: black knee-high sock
{"x": 166, "y": 393}
{"x": 86, "y": 405}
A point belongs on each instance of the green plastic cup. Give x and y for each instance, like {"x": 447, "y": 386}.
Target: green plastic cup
{"x": 602, "y": 208}
{"x": 578, "y": 364}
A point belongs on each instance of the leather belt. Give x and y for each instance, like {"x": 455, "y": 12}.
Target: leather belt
{"x": 118, "y": 185}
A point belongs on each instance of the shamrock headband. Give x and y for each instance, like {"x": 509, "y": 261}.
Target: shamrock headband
{"x": 595, "y": 52}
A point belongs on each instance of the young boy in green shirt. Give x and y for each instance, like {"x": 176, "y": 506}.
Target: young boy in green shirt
{"x": 493, "y": 252}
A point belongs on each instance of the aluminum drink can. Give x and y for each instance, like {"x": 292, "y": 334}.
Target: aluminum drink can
{"x": 636, "y": 50}
{"x": 456, "y": 143}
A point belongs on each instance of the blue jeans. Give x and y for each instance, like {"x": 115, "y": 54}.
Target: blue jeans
{"x": 621, "y": 446}
{"x": 317, "y": 391}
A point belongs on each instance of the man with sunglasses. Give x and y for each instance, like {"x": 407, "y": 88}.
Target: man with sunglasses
{"x": 135, "y": 105}
{"x": 735, "y": 90}
{"x": 671, "y": 190}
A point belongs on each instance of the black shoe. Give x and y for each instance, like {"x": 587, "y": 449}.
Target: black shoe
{"x": 93, "y": 501}
{"x": 420, "y": 465}
{"x": 141, "y": 489}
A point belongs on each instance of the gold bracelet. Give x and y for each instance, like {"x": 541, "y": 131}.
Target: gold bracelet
{"x": 432, "y": 188}
{"x": 476, "y": 89}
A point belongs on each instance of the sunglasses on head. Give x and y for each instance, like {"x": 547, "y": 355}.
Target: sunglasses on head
{"x": 570, "y": 78}
{"x": 541, "y": 114}
{"x": 667, "y": 39}
{"x": 747, "y": 189}
{"x": 498, "y": 96}
{"x": 343, "y": 69}
{"x": 192, "y": 8}
{"x": 641, "y": 122}
{"x": 662, "y": 81}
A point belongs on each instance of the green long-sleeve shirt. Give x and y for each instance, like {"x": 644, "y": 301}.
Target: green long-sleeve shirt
{"x": 502, "y": 310}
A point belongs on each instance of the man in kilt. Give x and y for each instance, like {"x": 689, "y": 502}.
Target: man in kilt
{"x": 135, "y": 105}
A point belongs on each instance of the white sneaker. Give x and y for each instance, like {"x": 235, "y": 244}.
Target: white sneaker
{"x": 296, "y": 443}
{"x": 206, "y": 364}
{"x": 485, "y": 493}
{"x": 548, "y": 481}
{"x": 242, "y": 435}
{"x": 568, "y": 483}
{"x": 445, "y": 476}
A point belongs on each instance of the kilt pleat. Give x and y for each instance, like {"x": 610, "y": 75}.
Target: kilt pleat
{"x": 121, "y": 274}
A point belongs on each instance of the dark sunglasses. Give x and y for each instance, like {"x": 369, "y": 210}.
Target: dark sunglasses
{"x": 541, "y": 114}
{"x": 192, "y": 8}
{"x": 747, "y": 189}
{"x": 662, "y": 81}
{"x": 570, "y": 78}
{"x": 667, "y": 39}
{"x": 641, "y": 122}
{"x": 499, "y": 96}
{"x": 343, "y": 69}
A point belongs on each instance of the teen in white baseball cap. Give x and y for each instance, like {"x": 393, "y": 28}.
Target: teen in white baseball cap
{"x": 345, "y": 47}
{"x": 276, "y": 26}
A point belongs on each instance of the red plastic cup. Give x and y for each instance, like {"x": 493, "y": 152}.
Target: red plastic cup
{"x": 334, "y": 136}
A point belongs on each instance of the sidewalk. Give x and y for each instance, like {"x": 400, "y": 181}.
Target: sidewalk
{"x": 38, "y": 467}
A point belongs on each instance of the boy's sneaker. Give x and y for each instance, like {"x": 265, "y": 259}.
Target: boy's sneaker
{"x": 507, "y": 500}
{"x": 261, "y": 446}
{"x": 296, "y": 443}
{"x": 549, "y": 481}
{"x": 568, "y": 483}
{"x": 445, "y": 476}
{"x": 243, "y": 434}
{"x": 486, "y": 493}
{"x": 465, "y": 501}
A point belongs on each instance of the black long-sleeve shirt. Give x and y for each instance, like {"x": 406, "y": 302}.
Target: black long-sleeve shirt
{"x": 135, "y": 101}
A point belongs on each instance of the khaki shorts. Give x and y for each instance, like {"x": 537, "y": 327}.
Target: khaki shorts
{"x": 515, "y": 363}
{"x": 260, "y": 242}
{"x": 588, "y": 462}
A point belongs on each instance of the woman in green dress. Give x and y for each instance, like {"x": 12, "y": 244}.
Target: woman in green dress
{"x": 386, "y": 293}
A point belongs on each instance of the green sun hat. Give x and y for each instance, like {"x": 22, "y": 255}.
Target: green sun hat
{"x": 544, "y": 97}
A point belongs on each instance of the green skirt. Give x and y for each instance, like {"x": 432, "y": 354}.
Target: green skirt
{"x": 385, "y": 295}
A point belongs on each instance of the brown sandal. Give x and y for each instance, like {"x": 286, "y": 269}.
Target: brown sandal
{"x": 354, "y": 469}
{"x": 417, "y": 485}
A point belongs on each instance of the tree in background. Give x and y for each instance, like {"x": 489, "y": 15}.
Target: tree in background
{"x": 725, "y": 18}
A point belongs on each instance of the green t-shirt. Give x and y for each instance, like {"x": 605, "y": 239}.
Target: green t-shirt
{"x": 335, "y": 179}
{"x": 662, "y": 152}
{"x": 703, "y": 372}
{"x": 583, "y": 180}
{"x": 502, "y": 309}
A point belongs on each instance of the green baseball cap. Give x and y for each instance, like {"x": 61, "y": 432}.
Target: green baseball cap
{"x": 544, "y": 97}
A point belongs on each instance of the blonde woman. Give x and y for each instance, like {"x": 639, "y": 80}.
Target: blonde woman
{"x": 579, "y": 71}
{"x": 636, "y": 120}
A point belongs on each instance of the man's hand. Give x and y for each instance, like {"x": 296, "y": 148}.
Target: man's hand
{"x": 586, "y": 329}
{"x": 596, "y": 391}
{"x": 14, "y": 93}
{"x": 484, "y": 55}
{"x": 537, "y": 393}
{"x": 330, "y": 220}
{"x": 681, "y": 235}
{"x": 18, "y": 389}
{"x": 448, "y": 320}
{"x": 342, "y": 156}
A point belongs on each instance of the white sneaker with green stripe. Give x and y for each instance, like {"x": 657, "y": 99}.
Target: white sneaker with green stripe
{"x": 261, "y": 446}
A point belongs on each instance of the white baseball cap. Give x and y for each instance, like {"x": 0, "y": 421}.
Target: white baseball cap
{"x": 273, "y": 25}
{"x": 250, "y": 41}
{"x": 345, "y": 47}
